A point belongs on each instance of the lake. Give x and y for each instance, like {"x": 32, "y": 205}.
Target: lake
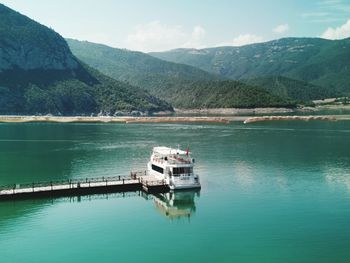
{"x": 271, "y": 192}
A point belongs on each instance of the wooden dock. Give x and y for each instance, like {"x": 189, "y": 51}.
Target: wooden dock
{"x": 87, "y": 186}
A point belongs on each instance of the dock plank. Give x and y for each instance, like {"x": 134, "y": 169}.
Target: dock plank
{"x": 134, "y": 182}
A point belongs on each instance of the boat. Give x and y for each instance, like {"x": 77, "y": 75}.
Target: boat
{"x": 174, "y": 166}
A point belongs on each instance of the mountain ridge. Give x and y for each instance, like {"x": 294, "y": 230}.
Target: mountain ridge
{"x": 124, "y": 65}
{"x": 318, "y": 61}
{"x": 40, "y": 75}
{"x": 180, "y": 85}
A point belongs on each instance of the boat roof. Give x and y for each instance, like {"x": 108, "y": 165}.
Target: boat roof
{"x": 167, "y": 150}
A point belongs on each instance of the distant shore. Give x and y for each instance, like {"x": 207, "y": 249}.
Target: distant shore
{"x": 223, "y": 115}
{"x": 233, "y": 111}
{"x": 105, "y": 119}
{"x": 254, "y": 111}
{"x": 169, "y": 119}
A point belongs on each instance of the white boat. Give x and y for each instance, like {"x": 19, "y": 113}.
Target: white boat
{"x": 174, "y": 166}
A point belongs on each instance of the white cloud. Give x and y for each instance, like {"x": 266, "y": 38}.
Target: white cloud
{"x": 246, "y": 39}
{"x": 155, "y": 36}
{"x": 315, "y": 14}
{"x": 325, "y": 11}
{"x": 197, "y": 36}
{"x": 336, "y": 5}
{"x": 281, "y": 28}
{"x": 241, "y": 40}
{"x": 340, "y": 32}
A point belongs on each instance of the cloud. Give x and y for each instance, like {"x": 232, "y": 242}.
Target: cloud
{"x": 315, "y": 14}
{"x": 246, "y": 39}
{"x": 339, "y": 5}
{"x": 196, "y": 39}
{"x": 281, "y": 28}
{"x": 328, "y": 11}
{"x": 340, "y": 32}
{"x": 241, "y": 40}
{"x": 155, "y": 36}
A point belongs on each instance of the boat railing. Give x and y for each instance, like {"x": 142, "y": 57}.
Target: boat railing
{"x": 152, "y": 182}
{"x": 137, "y": 174}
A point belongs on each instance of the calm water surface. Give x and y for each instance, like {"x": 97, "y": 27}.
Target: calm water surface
{"x": 271, "y": 192}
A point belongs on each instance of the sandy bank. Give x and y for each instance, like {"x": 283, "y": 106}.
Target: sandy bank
{"x": 234, "y": 111}
{"x": 60, "y": 119}
{"x": 223, "y": 120}
{"x": 297, "y": 118}
{"x": 260, "y": 111}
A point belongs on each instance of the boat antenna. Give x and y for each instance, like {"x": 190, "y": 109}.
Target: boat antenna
{"x": 188, "y": 149}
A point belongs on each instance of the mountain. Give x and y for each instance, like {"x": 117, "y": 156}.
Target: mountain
{"x": 136, "y": 68}
{"x": 318, "y": 61}
{"x": 298, "y": 90}
{"x": 40, "y": 75}
{"x": 224, "y": 94}
{"x": 181, "y": 85}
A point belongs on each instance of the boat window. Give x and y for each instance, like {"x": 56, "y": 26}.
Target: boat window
{"x": 182, "y": 170}
{"x": 157, "y": 169}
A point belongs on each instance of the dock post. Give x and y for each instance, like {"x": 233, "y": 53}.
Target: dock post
{"x": 123, "y": 180}
{"x": 33, "y": 187}
{"x": 51, "y": 185}
{"x": 106, "y": 182}
{"x": 119, "y": 177}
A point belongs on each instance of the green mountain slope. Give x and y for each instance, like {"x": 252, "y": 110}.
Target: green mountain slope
{"x": 319, "y": 61}
{"x": 39, "y": 74}
{"x": 136, "y": 68}
{"x": 182, "y": 86}
{"x": 225, "y": 94}
{"x": 298, "y": 90}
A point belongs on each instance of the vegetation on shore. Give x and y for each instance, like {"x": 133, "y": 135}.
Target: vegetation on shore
{"x": 301, "y": 91}
{"x": 222, "y": 94}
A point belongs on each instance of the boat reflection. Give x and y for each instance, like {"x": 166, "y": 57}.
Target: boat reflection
{"x": 172, "y": 205}
{"x": 176, "y": 204}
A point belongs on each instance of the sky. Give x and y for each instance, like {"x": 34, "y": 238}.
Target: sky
{"x": 159, "y": 25}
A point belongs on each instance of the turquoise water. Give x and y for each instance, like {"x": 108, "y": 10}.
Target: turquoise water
{"x": 271, "y": 192}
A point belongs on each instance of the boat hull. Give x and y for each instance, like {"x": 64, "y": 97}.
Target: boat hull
{"x": 184, "y": 187}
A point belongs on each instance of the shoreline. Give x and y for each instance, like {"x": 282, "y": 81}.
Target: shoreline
{"x": 218, "y": 115}
{"x": 159, "y": 119}
{"x": 254, "y": 111}
{"x": 104, "y": 119}
{"x": 234, "y": 111}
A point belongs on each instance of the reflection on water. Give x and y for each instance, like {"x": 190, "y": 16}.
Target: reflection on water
{"x": 12, "y": 211}
{"x": 172, "y": 205}
{"x": 176, "y": 204}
